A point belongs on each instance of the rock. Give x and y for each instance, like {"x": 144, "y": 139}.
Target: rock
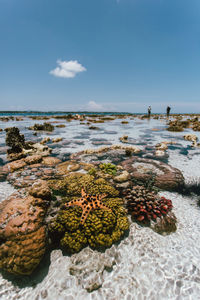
{"x": 103, "y": 149}
{"x": 38, "y": 149}
{"x": 68, "y": 166}
{"x": 45, "y": 140}
{"x": 22, "y": 234}
{"x": 33, "y": 159}
{"x": 3, "y": 174}
{"x": 124, "y": 176}
{"x": 15, "y": 156}
{"x": 178, "y": 125}
{"x": 160, "y": 153}
{"x": 15, "y": 165}
{"x": 15, "y": 140}
{"x": 163, "y": 176}
{"x": 60, "y": 126}
{"x": 165, "y": 224}
{"x": 88, "y": 267}
{"x": 51, "y": 161}
{"x": 42, "y": 127}
{"x": 40, "y": 189}
{"x": 56, "y": 140}
{"x": 191, "y": 137}
{"x": 94, "y": 128}
{"x": 162, "y": 146}
{"x": 124, "y": 139}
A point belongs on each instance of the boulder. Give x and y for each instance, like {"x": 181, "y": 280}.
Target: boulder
{"x": 40, "y": 189}
{"x": 22, "y": 234}
{"x": 14, "y": 165}
{"x": 51, "y": 161}
{"x": 33, "y": 159}
{"x": 162, "y": 175}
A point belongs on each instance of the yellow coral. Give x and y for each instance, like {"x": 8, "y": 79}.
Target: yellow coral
{"x": 102, "y": 228}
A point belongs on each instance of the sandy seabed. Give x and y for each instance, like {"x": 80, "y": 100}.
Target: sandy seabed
{"x": 144, "y": 265}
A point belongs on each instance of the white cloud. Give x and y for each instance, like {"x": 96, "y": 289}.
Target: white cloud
{"x": 92, "y": 105}
{"x": 67, "y": 69}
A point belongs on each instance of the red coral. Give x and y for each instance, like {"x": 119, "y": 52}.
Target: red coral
{"x": 145, "y": 205}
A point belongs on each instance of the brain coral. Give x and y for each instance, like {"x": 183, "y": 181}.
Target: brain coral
{"x": 102, "y": 227}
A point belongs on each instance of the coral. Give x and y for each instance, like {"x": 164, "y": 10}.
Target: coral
{"x": 101, "y": 228}
{"x": 88, "y": 202}
{"x": 92, "y": 171}
{"x": 22, "y": 234}
{"x": 71, "y": 185}
{"x": 145, "y": 205}
{"x": 108, "y": 168}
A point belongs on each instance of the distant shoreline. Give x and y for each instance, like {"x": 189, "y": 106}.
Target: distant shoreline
{"x": 33, "y": 112}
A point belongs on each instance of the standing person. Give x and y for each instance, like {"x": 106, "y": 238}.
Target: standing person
{"x": 149, "y": 111}
{"x": 168, "y": 110}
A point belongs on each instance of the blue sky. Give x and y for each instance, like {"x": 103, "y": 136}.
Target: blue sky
{"x": 109, "y": 55}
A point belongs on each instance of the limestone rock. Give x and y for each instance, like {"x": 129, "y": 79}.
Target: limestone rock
{"x": 51, "y": 161}
{"x": 68, "y": 166}
{"x": 124, "y": 176}
{"x": 3, "y": 174}
{"x": 33, "y": 159}
{"x": 56, "y": 140}
{"x": 88, "y": 267}
{"x": 15, "y": 165}
{"x": 191, "y": 137}
{"x": 38, "y": 148}
{"x": 165, "y": 224}
{"x": 45, "y": 140}
{"x": 22, "y": 234}
{"x": 163, "y": 175}
{"x": 40, "y": 189}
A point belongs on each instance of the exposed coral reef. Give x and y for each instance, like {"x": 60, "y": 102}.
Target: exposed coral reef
{"x": 144, "y": 205}
{"x": 22, "y": 234}
{"x": 102, "y": 227}
{"x": 147, "y": 207}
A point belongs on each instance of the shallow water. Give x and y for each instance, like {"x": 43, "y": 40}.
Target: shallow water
{"x": 146, "y": 265}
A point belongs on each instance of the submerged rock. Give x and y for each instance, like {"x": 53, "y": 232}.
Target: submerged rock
{"x": 165, "y": 224}
{"x": 88, "y": 267}
{"x": 162, "y": 175}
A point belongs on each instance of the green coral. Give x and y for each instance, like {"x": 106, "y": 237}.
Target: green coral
{"x": 108, "y": 168}
{"x": 92, "y": 171}
{"x": 101, "y": 229}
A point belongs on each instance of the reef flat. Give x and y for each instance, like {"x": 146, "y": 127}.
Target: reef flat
{"x": 139, "y": 179}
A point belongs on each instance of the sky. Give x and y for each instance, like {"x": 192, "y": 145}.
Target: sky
{"x": 100, "y": 55}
